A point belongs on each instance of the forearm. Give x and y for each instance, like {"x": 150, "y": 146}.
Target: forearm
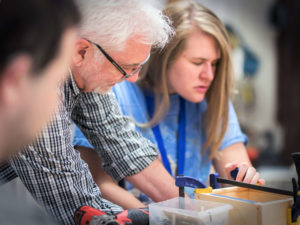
{"x": 155, "y": 182}
{"x": 114, "y": 193}
{"x": 109, "y": 189}
{"x": 235, "y": 153}
{"x": 236, "y": 156}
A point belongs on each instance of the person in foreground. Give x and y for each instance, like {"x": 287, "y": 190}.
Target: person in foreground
{"x": 182, "y": 101}
{"x": 36, "y": 43}
{"x": 115, "y": 41}
{"x": 33, "y": 64}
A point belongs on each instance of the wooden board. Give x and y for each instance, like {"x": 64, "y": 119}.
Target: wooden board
{"x": 251, "y": 207}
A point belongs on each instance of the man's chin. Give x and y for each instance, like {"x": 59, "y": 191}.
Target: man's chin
{"x": 102, "y": 90}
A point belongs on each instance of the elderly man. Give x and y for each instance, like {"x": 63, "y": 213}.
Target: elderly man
{"x": 36, "y": 43}
{"x": 115, "y": 41}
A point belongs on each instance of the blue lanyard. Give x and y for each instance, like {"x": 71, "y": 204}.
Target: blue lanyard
{"x": 160, "y": 141}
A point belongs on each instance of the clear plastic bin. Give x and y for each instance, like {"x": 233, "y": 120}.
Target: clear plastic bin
{"x": 183, "y": 211}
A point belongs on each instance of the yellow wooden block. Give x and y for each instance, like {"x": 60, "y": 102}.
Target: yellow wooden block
{"x": 203, "y": 190}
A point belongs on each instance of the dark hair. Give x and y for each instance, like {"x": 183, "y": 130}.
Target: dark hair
{"x": 34, "y": 27}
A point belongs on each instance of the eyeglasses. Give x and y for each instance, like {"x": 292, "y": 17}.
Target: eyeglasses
{"x": 125, "y": 75}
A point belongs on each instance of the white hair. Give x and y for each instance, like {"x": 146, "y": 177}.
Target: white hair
{"x": 112, "y": 22}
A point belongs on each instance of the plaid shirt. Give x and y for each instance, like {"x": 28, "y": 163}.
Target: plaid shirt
{"x": 52, "y": 169}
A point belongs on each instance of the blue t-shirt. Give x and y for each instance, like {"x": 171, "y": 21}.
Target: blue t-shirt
{"x": 133, "y": 104}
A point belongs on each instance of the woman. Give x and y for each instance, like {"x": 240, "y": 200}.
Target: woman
{"x": 182, "y": 101}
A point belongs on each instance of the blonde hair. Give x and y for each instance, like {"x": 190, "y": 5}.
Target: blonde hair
{"x": 187, "y": 16}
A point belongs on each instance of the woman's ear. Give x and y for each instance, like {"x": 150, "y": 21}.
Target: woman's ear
{"x": 80, "y": 54}
{"x": 14, "y": 80}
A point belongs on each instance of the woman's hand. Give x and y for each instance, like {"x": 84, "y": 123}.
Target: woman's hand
{"x": 246, "y": 174}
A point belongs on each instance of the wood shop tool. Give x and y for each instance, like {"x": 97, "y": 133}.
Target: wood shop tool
{"x": 185, "y": 181}
{"x": 254, "y": 203}
{"x": 294, "y": 211}
{"x": 87, "y": 215}
{"x": 256, "y": 187}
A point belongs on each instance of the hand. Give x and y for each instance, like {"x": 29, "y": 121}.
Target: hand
{"x": 246, "y": 174}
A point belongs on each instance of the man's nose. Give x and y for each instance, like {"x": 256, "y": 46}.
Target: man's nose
{"x": 133, "y": 78}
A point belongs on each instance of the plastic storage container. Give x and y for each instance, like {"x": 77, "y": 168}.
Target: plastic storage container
{"x": 183, "y": 211}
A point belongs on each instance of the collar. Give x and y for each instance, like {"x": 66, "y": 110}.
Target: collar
{"x": 73, "y": 84}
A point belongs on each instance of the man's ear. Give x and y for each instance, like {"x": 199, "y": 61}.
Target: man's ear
{"x": 82, "y": 51}
{"x": 13, "y": 80}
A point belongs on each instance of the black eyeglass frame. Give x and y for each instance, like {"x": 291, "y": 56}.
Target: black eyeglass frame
{"x": 118, "y": 67}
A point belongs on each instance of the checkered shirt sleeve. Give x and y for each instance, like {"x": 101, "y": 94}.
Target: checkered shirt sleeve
{"x": 123, "y": 150}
